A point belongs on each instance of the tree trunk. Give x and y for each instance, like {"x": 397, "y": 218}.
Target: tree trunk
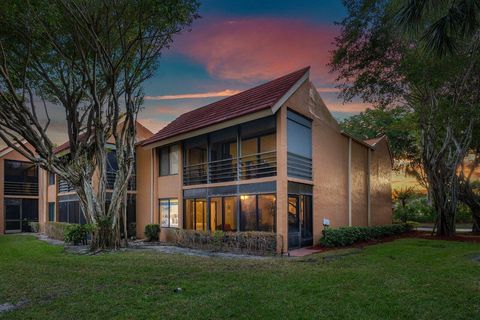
{"x": 472, "y": 200}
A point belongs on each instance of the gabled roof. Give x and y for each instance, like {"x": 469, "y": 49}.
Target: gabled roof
{"x": 66, "y": 145}
{"x": 7, "y": 149}
{"x": 374, "y": 141}
{"x": 262, "y": 97}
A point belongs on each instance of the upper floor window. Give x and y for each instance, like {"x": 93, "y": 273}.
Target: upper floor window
{"x": 20, "y": 178}
{"x": 51, "y": 179}
{"x": 169, "y": 160}
{"x": 299, "y": 146}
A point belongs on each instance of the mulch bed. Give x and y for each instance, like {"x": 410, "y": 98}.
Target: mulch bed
{"x": 463, "y": 237}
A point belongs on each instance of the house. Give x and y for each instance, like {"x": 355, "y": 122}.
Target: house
{"x": 271, "y": 158}
{"x": 62, "y": 203}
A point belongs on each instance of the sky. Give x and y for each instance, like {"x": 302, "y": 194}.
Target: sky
{"x": 236, "y": 45}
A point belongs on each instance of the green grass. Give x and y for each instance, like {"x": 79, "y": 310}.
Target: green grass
{"x": 405, "y": 279}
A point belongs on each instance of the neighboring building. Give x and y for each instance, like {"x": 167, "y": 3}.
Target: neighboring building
{"x": 62, "y": 204}
{"x": 20, "y": 192}
{"x": 271, "y": 158}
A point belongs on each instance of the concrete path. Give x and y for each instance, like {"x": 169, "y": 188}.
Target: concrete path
{"x": 460, "y": 230}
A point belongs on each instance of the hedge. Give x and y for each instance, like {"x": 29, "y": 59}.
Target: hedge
{"x": 56, "y": 230}
{"x": 252, "y": 242}
{"x": 346, "y": 236}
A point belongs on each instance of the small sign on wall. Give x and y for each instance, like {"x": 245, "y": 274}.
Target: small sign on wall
{"x": 326, "y": 222}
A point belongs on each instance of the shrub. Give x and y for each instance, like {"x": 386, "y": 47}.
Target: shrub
{"x": 251, "y": 242}
{"x": 56, "y": 230}
{"x": 77, "y": 233}
{"x": 346, "y": 236}
{"x": 152, "y": 232}
{"x": 34, "y": 226}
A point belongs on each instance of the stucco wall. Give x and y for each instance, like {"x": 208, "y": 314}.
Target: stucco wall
{"x": 329, "y": 159}
{"x": 144, "y": 189}
{"x": 330, "y": 169}
{"x": 380, "y": 184}
{"x": 359, "y": 184}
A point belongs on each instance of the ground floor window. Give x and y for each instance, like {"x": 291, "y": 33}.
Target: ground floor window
{"x": 251, "y": 212}
{"x": 169, "y": 213}
{"x": 19, "y": 213}
{"x": 51, "y": 211}
{"x": 70, "y": 212}
{"x": 223, "y": 213}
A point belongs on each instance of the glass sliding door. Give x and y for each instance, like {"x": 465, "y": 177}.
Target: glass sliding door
{"x": 230, "y": 213}
{"x": 216, "y": 219}
{"x": 13, "y": 215}
{"x": 300, "y": 226}
{"x": 195, "y": 217}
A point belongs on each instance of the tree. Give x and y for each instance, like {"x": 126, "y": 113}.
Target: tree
{"x": 90, "y": 58}
{"x": 453, "y": 29}
{"x": 397, "y": 123}
{"x": 374, "y": 60}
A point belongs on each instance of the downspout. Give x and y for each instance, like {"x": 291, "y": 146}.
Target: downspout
{"x": 350, "y": 181}
{"x": 369, "y": 212}
{"x": 151, "y": 185}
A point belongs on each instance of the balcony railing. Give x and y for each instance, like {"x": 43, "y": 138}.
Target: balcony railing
{"x": 64, "y": 186}
{"x": 251, "y": 166}
{"x": 111, "y": 175}
{"x": 12, "y": 188}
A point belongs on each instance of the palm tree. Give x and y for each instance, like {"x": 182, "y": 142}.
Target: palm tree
{"x": 445, "y": 26}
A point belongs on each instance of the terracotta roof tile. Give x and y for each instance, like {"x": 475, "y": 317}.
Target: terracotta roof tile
{"x": 252, "y": 100}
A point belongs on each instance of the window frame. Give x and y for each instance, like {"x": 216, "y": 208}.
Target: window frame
{"x": 169, "y": 158}
{"x": 50, "y": 213}
{"x": 51, "y": 181}
{"x": 169, "y": 212}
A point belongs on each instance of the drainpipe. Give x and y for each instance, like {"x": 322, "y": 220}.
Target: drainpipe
{"x": 369, "y": 212}
{"x": 350, "y": 182}
{"x": 151, "y": 185}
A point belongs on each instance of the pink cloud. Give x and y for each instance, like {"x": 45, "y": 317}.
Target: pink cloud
{"x": 259, "y": 49}
{"x": 223, "y": 93}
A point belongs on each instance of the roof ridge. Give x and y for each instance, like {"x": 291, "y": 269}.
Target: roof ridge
{"x": 250, "y": 100}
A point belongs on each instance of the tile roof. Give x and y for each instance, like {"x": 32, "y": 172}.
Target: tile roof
{"x": 66, "y": 145}
{"x": 250, "y": 101}
{"x": 374, "y": 141}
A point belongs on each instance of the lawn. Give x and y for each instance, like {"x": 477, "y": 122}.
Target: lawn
{"x": 405, "y": 279}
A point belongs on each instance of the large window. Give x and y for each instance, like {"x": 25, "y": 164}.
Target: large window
{"x": 257, "y": 212}
{"x": 195, "y": 214}
{"x": 69, "y": 211}
{"x": 169, "y": 213}
{"x": 299, "y": 146}
{"x": 223, "y": 213}
{"x": 20, "y": 178}
{"x": 169, "y": 160}
{"x": 51, "y": 211}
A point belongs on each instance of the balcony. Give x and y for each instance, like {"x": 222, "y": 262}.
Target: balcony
{"x": 12, "y": 188}
{"x": 252, "y": 166}
{"x": 64, "y": 186}
{"x": 111, "y": 175}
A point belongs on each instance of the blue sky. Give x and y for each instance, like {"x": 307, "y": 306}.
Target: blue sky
{"x": 239, "y": 44}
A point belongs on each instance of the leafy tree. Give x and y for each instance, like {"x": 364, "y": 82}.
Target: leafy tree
{"x": 374, "y": 60}
{"x": 398, "y": 124}
{"x": 90, "y": 59}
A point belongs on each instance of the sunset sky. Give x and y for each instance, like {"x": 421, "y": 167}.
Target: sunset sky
{"x": 236, "y": 45}
{"x": 239, "y": 44}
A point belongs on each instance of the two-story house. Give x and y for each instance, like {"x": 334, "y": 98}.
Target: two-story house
{"x": 271, "y": 158}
